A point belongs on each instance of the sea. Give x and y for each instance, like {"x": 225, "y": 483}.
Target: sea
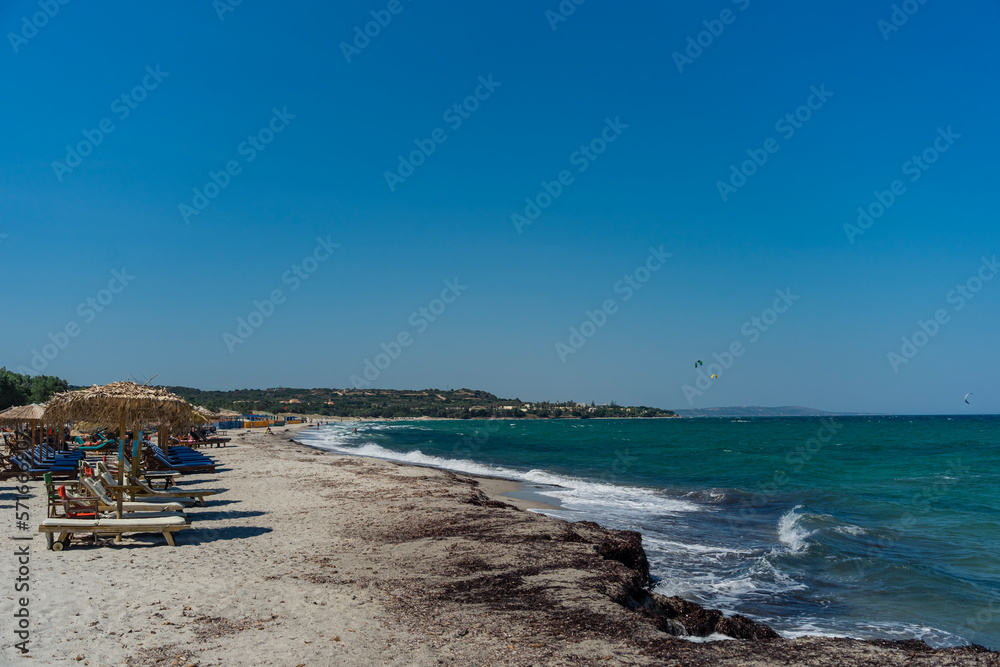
{"x": 871, "y": 527}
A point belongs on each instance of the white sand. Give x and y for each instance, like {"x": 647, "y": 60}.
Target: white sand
{"x": 308, "y": 558}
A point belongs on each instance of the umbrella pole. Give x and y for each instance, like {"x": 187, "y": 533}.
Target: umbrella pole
{"x": 137, "y": 437}
{"x": 121, "y": 465}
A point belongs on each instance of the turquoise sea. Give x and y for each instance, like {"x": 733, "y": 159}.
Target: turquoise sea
{"x": 854, "y": 526}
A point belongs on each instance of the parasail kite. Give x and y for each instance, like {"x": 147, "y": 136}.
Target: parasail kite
{"x": 697, "y": 363}
{"x": 967, "y": 397}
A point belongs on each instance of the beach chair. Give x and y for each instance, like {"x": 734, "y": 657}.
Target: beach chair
{"x": 185, "y": 465}
{"x": 56, "y": 497}
{"x": 179, "y": 496}
{"x": 152, "y": 496}
{"x": 22, "y": 466}
{"x": 110, "y": 444}
{"x": 76, "y": 506}
{"x": 107, "y": 504}
{"x": 65, "y": 528}
{"x": 155, "y": 477}
{"x": 209, "y": 440}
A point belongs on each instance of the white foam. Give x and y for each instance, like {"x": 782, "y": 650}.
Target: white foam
{"x": 572, "y": 492}
{"x": 669, "y": 545}
{"x": 933, "y": 637}
{"x": 790, "y": 533}
{"x": 714, "y": 637}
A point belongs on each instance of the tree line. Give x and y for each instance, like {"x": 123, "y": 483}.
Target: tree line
{"x": 17, "y": 389}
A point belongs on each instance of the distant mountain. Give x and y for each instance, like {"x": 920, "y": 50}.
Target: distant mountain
{"x": 756, "y": 411}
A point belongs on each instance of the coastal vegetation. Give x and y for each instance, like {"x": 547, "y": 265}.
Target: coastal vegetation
{"x": 386, "y": 403}
{"x": 17, "y": 389}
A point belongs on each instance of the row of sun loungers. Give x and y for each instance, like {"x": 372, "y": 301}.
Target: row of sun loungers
{"x": 183, "y": 459}
{"x": 90, "y": 506}
{"x": 39, "y": 460}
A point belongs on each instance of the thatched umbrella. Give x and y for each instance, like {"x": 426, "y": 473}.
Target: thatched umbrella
{"x": 25, "y": 414}
{"x": 120, "y": 403}
{"x": 206, "y": 413}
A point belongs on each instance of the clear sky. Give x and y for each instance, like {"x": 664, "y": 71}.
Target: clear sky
{"x": 624, "y": 133}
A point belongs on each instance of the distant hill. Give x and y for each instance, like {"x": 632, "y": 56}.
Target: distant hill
{"x": 756, "y": 411}
{"x": 404, "y": 404}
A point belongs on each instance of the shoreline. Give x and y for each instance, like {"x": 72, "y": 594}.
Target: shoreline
{"x": 513, "y": 491}
{"x": 310, "y": 558}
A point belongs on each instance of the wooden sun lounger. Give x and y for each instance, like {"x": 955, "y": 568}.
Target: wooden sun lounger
{"x": 166, "y": 477}
{"x": 109, "y": 504}
{"x": 176, "y": 496}
{"x": 65, "y": 528}
{"x": 147, "y": 495}
{"x": 187, "y": 467}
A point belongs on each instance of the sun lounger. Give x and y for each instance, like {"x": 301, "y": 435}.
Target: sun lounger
{"x": 105, "y": 444}
{"x": 20, "y": 466}
{"x": 108, "y": 504}
{"x": 65, "y": 528}
{"x": 152, "y": 477}
{"x": 203, "y": 439}
{"x": 152, "y": 496}
{"x": 185, "y": 466}
{"x": 177, "y": 496}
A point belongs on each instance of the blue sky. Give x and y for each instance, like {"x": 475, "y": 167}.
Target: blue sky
{"x": 329, "y": 126}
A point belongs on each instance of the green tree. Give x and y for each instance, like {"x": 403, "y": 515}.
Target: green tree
{"x": 12, "y": 389}
{"x": 44, "y": 386}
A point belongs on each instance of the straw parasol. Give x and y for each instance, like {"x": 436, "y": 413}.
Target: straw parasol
{"x": 121, "y": 403}
{"x": 25, "y": 414}
{"x": 206, "y": 413}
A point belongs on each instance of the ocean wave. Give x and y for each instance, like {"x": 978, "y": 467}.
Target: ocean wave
{"x": 933, "y": 637}
{"x": 572, "y": 492}
{"x": 792, "y": 533}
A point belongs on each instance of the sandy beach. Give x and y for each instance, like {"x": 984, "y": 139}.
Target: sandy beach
{"x": 308, "y": 558}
